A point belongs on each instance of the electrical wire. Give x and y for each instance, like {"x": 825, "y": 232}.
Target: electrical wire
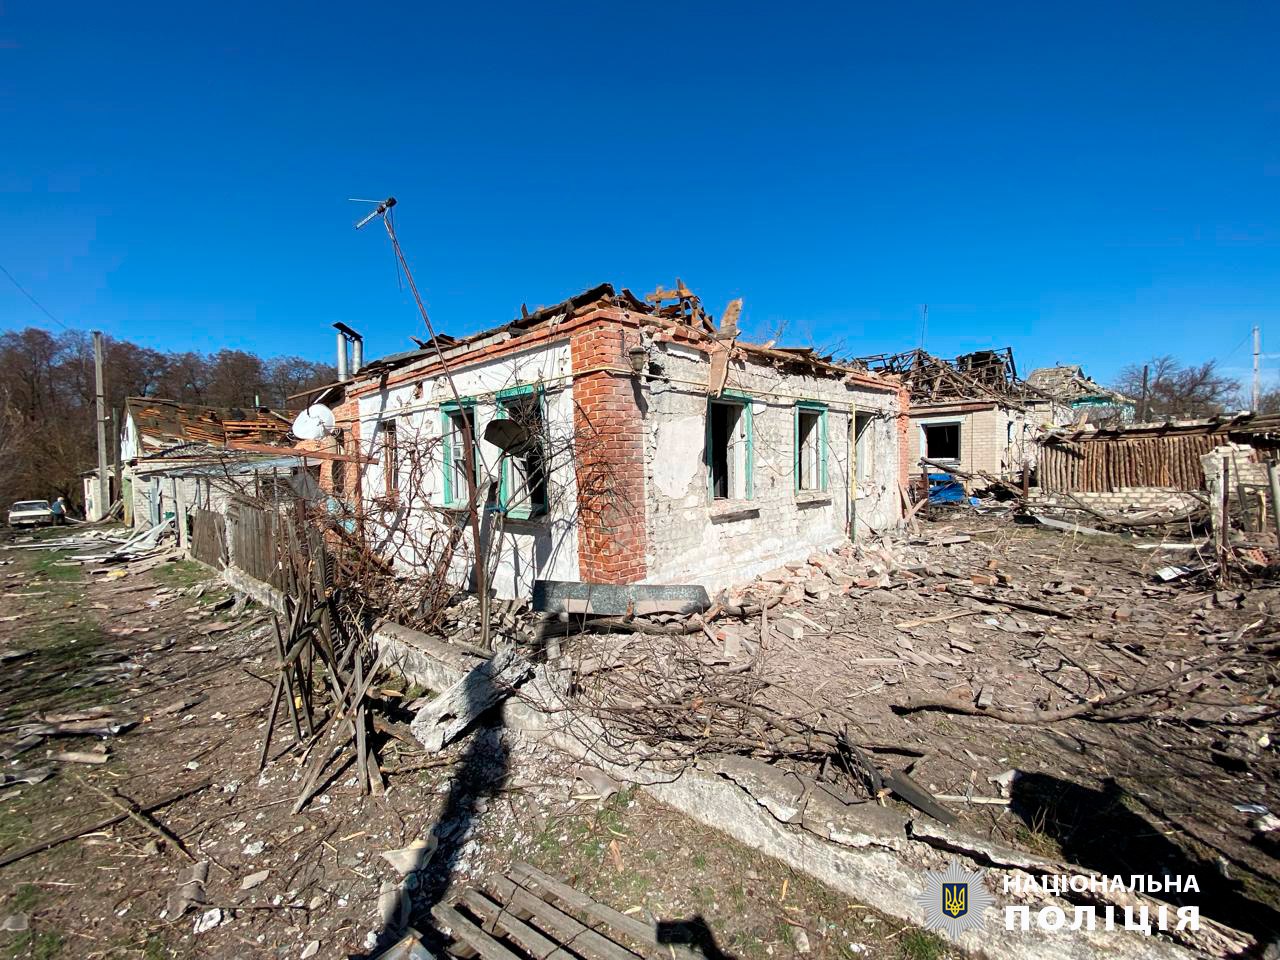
{"x": 40, "y": 306}
{"x": 1236, "y": 348}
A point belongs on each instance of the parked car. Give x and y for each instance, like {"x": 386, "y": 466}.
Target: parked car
{"x": 30, "y": 513}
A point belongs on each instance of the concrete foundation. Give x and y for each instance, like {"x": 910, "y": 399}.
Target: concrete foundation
{"x": 872, "y": 854}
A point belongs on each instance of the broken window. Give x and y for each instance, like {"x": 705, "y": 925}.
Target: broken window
{"x": 522, "y": 489}
{"x": 941, "y": 441}
{"x": 728, "y": 450}
{"x": 811, "y": 447}
{"x": 863, "y": 447}
{"x": 459, "y": 436}
{"x": 390, "y": 458}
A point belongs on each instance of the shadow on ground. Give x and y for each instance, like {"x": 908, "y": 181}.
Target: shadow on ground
{"x": 694, "y": 933}
{"x": 478, "y": 775}
{"x": 1100, "y": 831}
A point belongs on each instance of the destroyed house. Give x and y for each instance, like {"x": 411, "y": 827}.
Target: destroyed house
{"x": 1164, "y": 466}
{"x": 971, "y": 414}
{"x": 1090, "y": 401}
{"x": 176, "y": 457}
{"x": 615, "y": 440}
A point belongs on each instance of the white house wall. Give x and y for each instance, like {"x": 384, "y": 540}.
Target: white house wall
{"x": 522, "y": 550}
{"x": 692, "y": 539}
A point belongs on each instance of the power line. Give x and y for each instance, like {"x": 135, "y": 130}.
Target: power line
{"x": 40, "y": 306}
{"x": 1236, "y": 348}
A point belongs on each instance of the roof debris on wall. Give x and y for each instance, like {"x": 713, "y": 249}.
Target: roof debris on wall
{"x": 678, "y": 309}
{"x": 981, "y": 375}
{"x": 1069, "y": 384}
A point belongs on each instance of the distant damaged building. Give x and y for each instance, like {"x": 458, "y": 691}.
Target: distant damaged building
{"x": 178, "y": 457}
{"x": 972, "y": 413}
{"x": 617, "y": 440}
{"x": 1089, "y": 400}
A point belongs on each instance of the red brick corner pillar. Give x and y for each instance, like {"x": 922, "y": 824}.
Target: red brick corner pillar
{"x": 609, "y": 456}
{"x": 904, "y": 445}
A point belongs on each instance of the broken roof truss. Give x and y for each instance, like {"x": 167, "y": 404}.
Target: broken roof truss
{"x": 679, "y": 309}
{"x": 981, "y": 375}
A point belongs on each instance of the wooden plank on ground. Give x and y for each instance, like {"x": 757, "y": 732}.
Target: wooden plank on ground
{"x": 498, "y": 920}
{"x": 468, "y": 933}
{"x": 547, "y": 886}
{"x": 568, "y": 930}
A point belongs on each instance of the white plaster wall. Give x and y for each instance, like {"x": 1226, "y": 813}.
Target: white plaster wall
{"x": 521, "y": 550}
{"x": 129, "y": 445}
{"x": 689, "y": 539}
{"x": 142, "y": 497}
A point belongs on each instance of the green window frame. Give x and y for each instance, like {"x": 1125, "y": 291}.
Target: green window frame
{"x": 533, "y": 506}
{"x": 804, "y": 410}
{"x": 742, "y": 402}
{"x": 453, "y": 498}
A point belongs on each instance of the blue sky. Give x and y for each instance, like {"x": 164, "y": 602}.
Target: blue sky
{"x": 1094, "y": 182}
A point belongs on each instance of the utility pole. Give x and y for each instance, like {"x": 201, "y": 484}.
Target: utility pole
{"x": 1257, "y": 352}
{"x": 100, "y": 417}
{"x": 1142, "y": 404}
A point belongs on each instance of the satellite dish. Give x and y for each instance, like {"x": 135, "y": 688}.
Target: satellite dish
{"x": 313, "y": 423}
{"x": 507, "y": 435}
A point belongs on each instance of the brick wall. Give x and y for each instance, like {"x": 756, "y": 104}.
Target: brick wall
{"x": 609, "y": 442}
{"x": 986, "y": 441}
{"x": 1164, "y": 499}
{"x": 347, "y": 420}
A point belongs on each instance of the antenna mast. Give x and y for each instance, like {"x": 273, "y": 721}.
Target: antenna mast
{"x": 480, "y": 569}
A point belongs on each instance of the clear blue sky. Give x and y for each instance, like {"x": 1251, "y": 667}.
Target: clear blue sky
{"x": 1089, "y": 182}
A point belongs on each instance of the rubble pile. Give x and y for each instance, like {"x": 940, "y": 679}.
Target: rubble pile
{"x": 824, "y": 575}
{"x": 110, "y": 547}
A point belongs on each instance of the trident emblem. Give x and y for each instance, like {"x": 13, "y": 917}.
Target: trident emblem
{"x": 955, "y": 899}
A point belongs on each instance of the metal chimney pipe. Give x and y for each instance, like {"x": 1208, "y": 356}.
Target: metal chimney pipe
{"x": 347, "y": 335}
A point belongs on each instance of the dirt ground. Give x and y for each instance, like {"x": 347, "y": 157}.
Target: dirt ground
{"x": 163, "y": 650}
{"x": 1156, "y": 795}
{"x": 1183, "y": 790}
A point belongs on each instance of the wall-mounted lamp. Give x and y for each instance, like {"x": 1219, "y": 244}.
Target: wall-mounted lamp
{"x": 638, "y": 357}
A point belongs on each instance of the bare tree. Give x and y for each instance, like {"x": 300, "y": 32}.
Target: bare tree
{"x": 47, "y": 395}
{"x": 286, "y": 377}
{"x": 1177, "y": 390}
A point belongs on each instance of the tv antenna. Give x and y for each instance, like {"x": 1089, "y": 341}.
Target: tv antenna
{"x": 480, "y": 564}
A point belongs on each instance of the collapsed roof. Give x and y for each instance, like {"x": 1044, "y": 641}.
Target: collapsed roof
{"x": 1068, "y": 383}
{"x": 677, "y": 307}
{"x": 1256, "y": 429}
{"x": 982, "y": 375}
{"x": 167, "y": 424}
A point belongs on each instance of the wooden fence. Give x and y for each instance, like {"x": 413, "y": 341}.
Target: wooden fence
{"x": 1105, "y": 464}
{"x": 209, "y": 538}
{"x": 255, "y": 533}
